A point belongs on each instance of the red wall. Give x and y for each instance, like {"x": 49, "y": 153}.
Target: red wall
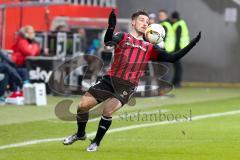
{"x": 35, "y": 16}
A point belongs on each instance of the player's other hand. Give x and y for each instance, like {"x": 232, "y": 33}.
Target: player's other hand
{"x": 198, "y": 37}
{"x": 112, "y": 20}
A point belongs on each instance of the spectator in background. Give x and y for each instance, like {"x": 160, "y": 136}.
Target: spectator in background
{"x": 83, "y": 36}
{"x": 25, "y": 46}
{"x": 3, "y": 84}
{"x": 152, "y": 18}
{"x": 9, "y": 76}
{"x": 169, "y": 42}
{"x": 93, "y": 49}
{"x": 62, "y": 28}
{"x": 182, "y": 40}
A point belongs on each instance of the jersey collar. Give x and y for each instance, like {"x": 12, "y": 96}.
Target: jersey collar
{"x": 136, "y": 37}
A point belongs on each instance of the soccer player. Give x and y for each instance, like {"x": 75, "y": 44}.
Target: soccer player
{"x": 131, "y": 56}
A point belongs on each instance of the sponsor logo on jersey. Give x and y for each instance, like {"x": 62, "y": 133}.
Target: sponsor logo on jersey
{"x": 135, "y": 46}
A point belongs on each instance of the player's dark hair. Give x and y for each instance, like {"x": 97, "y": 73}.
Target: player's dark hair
{"x": 138, "y": 13}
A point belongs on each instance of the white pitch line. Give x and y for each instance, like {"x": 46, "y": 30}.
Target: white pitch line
{"x": 123, "y": 129}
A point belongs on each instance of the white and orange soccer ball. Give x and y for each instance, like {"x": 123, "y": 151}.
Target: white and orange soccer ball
{"x": 155, "y": 33}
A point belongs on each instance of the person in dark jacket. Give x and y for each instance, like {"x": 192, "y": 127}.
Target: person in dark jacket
{"x": 182, "y": 39}
{"x": 9, "y": 76}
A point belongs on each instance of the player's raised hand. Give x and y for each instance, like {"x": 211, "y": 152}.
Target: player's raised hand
{"x": 112, "y": 20}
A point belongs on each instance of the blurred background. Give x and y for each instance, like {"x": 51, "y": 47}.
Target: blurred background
{"x": 59, "y": 30}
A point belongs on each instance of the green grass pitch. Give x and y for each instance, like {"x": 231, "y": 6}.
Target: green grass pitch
{"x": 204, "y": 138}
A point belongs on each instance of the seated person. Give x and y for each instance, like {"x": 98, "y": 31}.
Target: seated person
{"x": 9, "y": 76}
{"x": 25, "y": 46}
{"x": 3, "y": 84}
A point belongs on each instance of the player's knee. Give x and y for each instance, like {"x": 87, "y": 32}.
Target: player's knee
{"x": 84, "y": 106}
{"x": 108, "y": 113}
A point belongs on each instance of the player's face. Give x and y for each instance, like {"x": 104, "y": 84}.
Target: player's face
{"x": 141, "y": 23}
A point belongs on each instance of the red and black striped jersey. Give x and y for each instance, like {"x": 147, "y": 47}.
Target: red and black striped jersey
{"x": 131, "y": 57}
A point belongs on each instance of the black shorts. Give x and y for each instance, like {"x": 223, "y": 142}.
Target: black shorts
{"x": 109, "y": 87}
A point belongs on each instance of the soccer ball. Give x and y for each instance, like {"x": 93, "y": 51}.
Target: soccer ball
{"x": 155, "y": 33}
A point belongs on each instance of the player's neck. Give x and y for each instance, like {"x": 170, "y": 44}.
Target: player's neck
{"x": 136, "y": 34}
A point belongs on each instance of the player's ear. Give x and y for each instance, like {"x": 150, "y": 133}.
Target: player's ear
{"x": 133, "y": 22}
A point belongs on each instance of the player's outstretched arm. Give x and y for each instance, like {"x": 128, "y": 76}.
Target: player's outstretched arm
{"x": 165, "y": 57}
{"x": 112, "y": 21}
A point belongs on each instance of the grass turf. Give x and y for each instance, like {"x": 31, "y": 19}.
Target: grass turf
{"x": 213, "y": 138}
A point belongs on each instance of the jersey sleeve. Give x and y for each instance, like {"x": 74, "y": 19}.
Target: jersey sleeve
{"x": 161, "y": 55}
{"x": 111, "y": 39}
{"x": 118, "y": 37}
